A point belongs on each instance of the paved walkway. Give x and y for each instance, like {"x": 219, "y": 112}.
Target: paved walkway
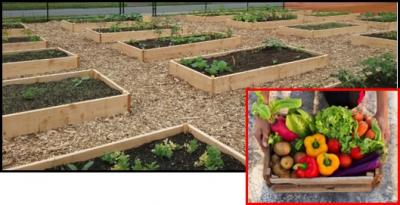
{"x": 386, "y": 191}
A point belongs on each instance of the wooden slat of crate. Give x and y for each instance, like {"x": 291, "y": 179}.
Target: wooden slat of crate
{"x": 148, "y": 55}
{"x": 246, "y": 78}
{"x": 39, "y": 120}
{"x": 19, "y": 46}
{"x": 126, "y": 144}
{"x": 284, "y": 30}
{"x": 321, "y": 188}
{"x": 263, "y": 25}
{"x": 33, "y": 67}
{"x": 360, "y": 39}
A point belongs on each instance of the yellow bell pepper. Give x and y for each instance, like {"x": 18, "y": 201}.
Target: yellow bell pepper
{"x": 315, "y": 145}
{"x": 327, "y": 163}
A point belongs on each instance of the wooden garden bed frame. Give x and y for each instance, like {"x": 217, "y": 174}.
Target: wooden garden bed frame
{"x": 208, "y": 19}
{"x": 248, "y": 78}
{"x": 130, "y": 143}
{"x": 78, "y": 27}
{"x": 33, "y": 67}
{"x": 379, "y": 25}
{"x": 43, "y": 119}
{"x": 16, "y": 31}
{"x": 263, "y": 25}
{"x": 286, "y": 30}
{"x": 347, "y": 17}
{"x": 125, "y": 35}
{"x": 29, "y": 45}
{"x": 162, "y": 53}
{"x": 359, "y": 39}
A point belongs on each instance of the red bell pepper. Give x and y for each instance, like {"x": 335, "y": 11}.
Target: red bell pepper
{"x": 307, "y": 167}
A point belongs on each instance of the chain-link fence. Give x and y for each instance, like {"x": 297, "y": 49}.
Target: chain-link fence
{"x": 45, "y": 11}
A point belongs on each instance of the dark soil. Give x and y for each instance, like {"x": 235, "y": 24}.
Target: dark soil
{"x": 18, "y": 39}
{"x": 33, "y": 55}
{"x": 252, "y": 59}
{"x": 24, "y": 97}
{"x": 122, "y": 29}
{"x": 180, "y": 160}
{"x": 172, "y": 41}
{"x": 391, "y": 35}
{"x": 322, "y": 26}
{"x": 13, "y": 25}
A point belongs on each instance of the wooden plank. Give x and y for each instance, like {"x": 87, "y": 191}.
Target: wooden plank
{"x": 284, "y": 30}
{"x": 16, "y": 31}
{"x": 57, "y": 116}
{"x": 201, "y": 136}
{"x": 281, "y": 188}
{"x": 263, "y": 25}
{"x": 246, "y": 78}
{"x": 78, "y": 27}
{"x": 208, "y": 19}
{"x": 33, "y": 67}
{"x": 348, "y": 17}
{"x": 126, "y": 144}
{"x": 324, "y": 180}
{"x": 360, "y": 39}
{"x": 19, "y": 46}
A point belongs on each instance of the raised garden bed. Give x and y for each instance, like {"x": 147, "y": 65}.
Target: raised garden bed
{"x": 17, "y": 43}
{"x": 321, "y": 30}
{"x": 246, "y": 67}
{"x": 329, "y": 16}
{"x": 208, "y": 19}
{"x": 140, "y": 148}
{"x": 263, "y": 25}
{"x": 387, "y": 39}
{"x": 172, "y": 47}
{"x": 103, "y": 35}
{"x": 14, "y": 29}
{"x": 78, "y": 25}
{"x": 51, "y": 101}
{"x": 380, "y": 21}
{"x": 37, "y": 61}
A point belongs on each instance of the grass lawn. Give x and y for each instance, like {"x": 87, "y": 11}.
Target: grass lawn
{"x": 57, "y": 5}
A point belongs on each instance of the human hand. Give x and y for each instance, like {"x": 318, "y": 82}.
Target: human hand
{"x": 384, "y": 125}
{"x": 261, "y": 132}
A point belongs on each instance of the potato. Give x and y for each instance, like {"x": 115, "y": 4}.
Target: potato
{"x": 282, "y": 148}
{"x": 275, "y": 159}
{"x": 298, "y": 156}
{"x": 286, "y": 162}
{"x": 278, "y": 170}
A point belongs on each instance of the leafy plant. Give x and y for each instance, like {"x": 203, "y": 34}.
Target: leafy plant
{"x": 269, "y": 14}
{"x": 328, "y": 13}
{"x": 79, "y": 81}
{"x": 137, "y": 165}
{"x": 111, "y": 158}
{"x": 165, "y": 149}
{"x": 273, "y": 43}
{"x": 116, "y": 27}
{"x": 211, "y": 159}
{"x": 191, "y": 146}
{"x": 85, "y": 167}
{"x": 377, "y": 71}
{"x": 122, "y": 162}
{"x": 380, "y": 17}
{"x": 218, "y": 67}
{"x": 32, "y": 92}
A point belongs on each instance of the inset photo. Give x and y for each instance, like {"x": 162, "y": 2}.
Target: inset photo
{"x": 322, "y": 145}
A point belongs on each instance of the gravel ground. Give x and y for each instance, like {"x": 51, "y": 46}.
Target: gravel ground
{"x": 385, "y": 192}
{"x": 160, "y": 100}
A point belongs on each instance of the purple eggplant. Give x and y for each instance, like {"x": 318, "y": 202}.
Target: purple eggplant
{"x": 357, "y": 169}
{"x": 369, "y": 157}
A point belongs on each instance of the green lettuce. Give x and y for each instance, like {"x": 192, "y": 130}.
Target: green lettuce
{"x": 335, "y": 122}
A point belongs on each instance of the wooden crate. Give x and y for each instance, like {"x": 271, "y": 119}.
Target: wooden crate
{"x": 162, "y": 53}
{"x": 285, "y": 30}
{"x": 348, "y": 17}
{"x": 208, "y": 19}
{"x": 263, "y": 25}
{"x": 16, "y": 31}
{"x": 125, "y": 35}
{"x": 130, "y": 143}
{"x": 33, "y": 67}
{"x": 359, "y": 39}
{"x": 43, "y": 119}
{"x": 78, "y": 27}
{"x": 7, "y": 47}
{"x": 247, "y": 78}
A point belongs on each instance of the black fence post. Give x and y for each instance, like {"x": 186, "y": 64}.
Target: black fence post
{"x": 120, "y": 11}
{"x": 205, "y": 6}
{"x": 123, "y": 7}
{"x": 247, "y": 5}
{"x": 283, "y": 5}
{"x": 154, "y": 8}
{"x": 47, "y": 11}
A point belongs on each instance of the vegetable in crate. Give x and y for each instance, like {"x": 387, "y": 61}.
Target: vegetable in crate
{"x": 306, "y": 168}
{"x": 282, "y": 148}
{"x": 333, "y": 146}
{"x": 315, "y": 145}
{"x": 345, "y": 160}
{"x": 361, "y": 166}
{"x": 327, "y": 163}
{"x": 286, "y": 162}
{"x": 299, "y": 122}
{"x": 335, "y": 122}
{"x": 280, "y": 127}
